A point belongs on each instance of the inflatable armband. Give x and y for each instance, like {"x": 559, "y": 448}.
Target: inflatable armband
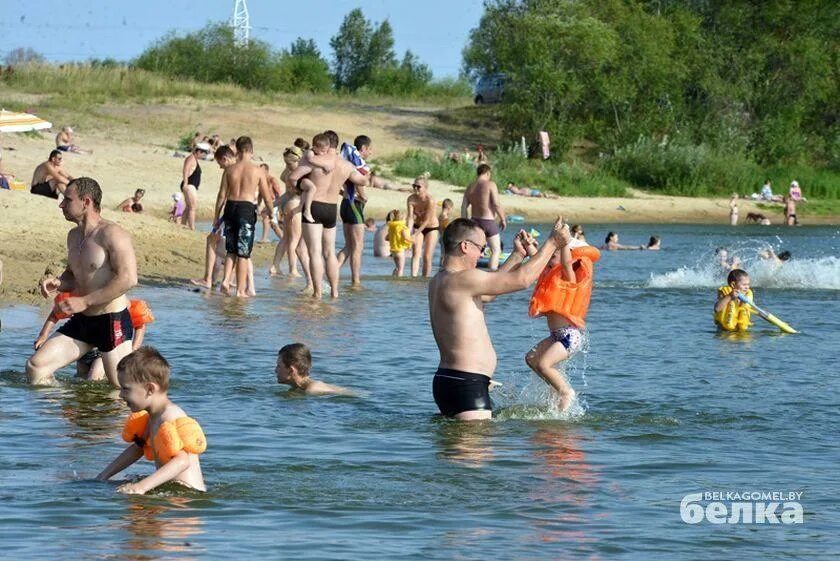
{"x": 736, "y": 315}
{"x": 56, "y": 313}
{"x": 553, "y": 294}
{"x": 183, "y": 433}
{"x": 135, "y": 431}
{"x": 140, "y": 313}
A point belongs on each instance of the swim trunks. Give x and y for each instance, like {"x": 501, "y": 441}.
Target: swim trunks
{"x": 105, "y": 331}
{"x": 455, "y": 391}
{"x": 488, "y": 225}
{"x": 63, "y": 147}
{"x": 44, "y": 190}
{"x": 240, "y": 219}
{"x": 90, "y": 356}
{"x": 352, "y": 213}
{"x": 425, "y": 231}
{"x": 324, "y": 214}
{"x": 570, "y": 337}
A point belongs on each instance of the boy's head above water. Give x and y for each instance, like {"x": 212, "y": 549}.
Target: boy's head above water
{"x": 294, "y": 361}
{"x": 738, "y": 279}
{"x": 143, "y": 375}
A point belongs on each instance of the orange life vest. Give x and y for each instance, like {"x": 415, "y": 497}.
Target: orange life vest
{"x": 559, "y": 296}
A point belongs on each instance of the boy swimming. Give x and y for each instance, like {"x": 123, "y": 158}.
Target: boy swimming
{"x": 157, "y": 428}
{"x": 294, "y": 362}
{"x": 730, "y": 313}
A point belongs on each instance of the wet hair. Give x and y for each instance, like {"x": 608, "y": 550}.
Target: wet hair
{"x": 54, "y": 153}
{"x": 88, "y": 187}
{"x": 482, "y": 169}
{"x": 653, "y": 240}
{"x": 244, "y": 144}
{"x": 456, "y": 232}
{"x": 145, "y": 365}
{"x": 447, "y": 203}
{"x": 297, "y": 355}
{"x": 223, "y": 152}
{"x": 301, "y": 143}
{"x": 610, "y": 236}
{"x": 361, "y": 141}
{"x": 735, "y": 275}
{"x": 320, "y": 140}
{"x": 333, "y": 136}
{"x": 784, "y": 255}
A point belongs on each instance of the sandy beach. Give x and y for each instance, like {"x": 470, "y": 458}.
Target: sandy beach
{"x": 132, "y": 149}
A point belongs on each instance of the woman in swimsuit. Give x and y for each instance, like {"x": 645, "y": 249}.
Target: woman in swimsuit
{"x": 422, "y": 216}
{"x": 191, "y": 180}
{"x": 733, "y": 210}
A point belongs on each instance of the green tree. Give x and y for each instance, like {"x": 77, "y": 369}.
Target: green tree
{"x": 349, "y": 47}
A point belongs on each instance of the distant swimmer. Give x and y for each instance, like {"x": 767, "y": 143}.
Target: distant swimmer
{"x": 157, "y": 428}
{"x": 777, "y": 259}
{"x": 49, "y": 178}
{"x": 730, "y": 313}
{"x": 64, "y": 142}
{"x": 578, "y": 233}
{"x": 242, "y": 184}
{"x": 133, "y": 204}
{"x": 723, "y": 259}
{"x": 562, "y": 295}
{"x": 294, "y": 363}
{"x": 423, "y": 223}
{"x": 101, "y": 268}
{"x": 457, "y": 295}
{"x": 654, "y": 244}
{"x": 319, "y": 229}
{"x": 481, "y": 203}
{"x": 611, "y": 243}
{"x": 191, "y": 181}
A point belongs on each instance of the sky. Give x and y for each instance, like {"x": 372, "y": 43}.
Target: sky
{"x": 78, "y": 30}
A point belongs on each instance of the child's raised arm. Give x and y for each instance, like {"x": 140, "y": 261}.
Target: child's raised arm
{"x": 45, "y": 331}
{"x": 179, "y": 463}
{"x": 128, "y": 457}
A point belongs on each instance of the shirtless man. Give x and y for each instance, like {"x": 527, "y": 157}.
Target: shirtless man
{"x": 352, "y": 209}
{"x": 457, "y": 295}
{"x": 64, "y": 142}
{"x": 101, "y": 268}
{"x": 423, "y": 218}
{"x": 320, "y": 232}
{"x": 133, "y": 204}
{"x": 242, "y": 184}
{"x": 49, "y": 179}
{"x": 483, "y": 196}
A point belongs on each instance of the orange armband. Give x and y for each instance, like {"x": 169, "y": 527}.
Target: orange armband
{"x": 183, "y": 433}
{"x": 135, "y": 431}
{"x": 56, "y": 313}
{"x": 140, "y": 313}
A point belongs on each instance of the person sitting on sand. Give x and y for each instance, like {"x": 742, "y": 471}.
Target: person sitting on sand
{"x": 611, "y": 243}
{"x": 294, "y": 362}
{"x": 767, "y": 193}
{"x": 133, "y": 204}
{"x": 5, "y": 175}
{"x": 64, "y": 142}
{"x": 654, "y": 244}
{"x": 49, "y": 180}
{"x": 177, "y": 211}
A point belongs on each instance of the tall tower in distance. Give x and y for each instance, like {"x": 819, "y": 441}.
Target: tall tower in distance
{"x": 241, "y": 24}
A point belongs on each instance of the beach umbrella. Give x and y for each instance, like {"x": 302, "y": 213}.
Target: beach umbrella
{"x": 21, "y": 122}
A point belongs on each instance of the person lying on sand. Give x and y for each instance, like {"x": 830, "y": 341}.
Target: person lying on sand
{"x": 64, "y": 142}
{"x": 512, "y": 189}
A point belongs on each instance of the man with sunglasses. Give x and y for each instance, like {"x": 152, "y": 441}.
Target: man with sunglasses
{"x": 49, "y": 180}
{"x": 457, "y": 295}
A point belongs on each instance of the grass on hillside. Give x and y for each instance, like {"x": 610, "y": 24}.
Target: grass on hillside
{"x": 560, "y": 178}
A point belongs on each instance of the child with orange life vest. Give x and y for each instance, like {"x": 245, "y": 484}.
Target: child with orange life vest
{"x": 399, "y": 238}
{"x": 562, "y": 295}
{"x": 157, "y": 428}
{"x": 90, "y": 365}
{"x": 730, "y": 313}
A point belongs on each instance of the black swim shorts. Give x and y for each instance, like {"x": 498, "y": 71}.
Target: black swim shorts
{"x": 488, "y": 225}
{"x": 44, "y": 190}
{"x": 105, "y": 332}
{"x": 352, "y": 213}
{"x": 455, "y": 392}
{"x": 240, "y": 219}
{"x": 324, "y": 214}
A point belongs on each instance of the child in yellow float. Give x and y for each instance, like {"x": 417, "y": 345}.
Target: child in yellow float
{"x": 157, "y": 428}
{"x": 399, "y": 239}
{"x": 562, "y": 295}
{"x": 730, "y": 313}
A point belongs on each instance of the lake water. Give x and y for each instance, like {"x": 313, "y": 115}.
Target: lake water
{"x": 668, "y": 408}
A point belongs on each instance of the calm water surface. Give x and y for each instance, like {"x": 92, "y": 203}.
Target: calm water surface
{"x": 668, "y": 408}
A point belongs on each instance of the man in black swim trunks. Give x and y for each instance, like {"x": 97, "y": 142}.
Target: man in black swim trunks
{"x": 457, "y": 295}
{"x": 319, "y": 233}
{"x": 101, "y": 268}
{"x": 49, "y": 179}
{"x": 241, "y": 184}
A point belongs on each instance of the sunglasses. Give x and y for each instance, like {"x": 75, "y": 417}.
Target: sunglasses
{"x": 416, "y": 186}
{"x": 481, "y": 248}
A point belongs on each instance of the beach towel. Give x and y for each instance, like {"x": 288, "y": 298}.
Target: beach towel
{"x": 351, "y": 154}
